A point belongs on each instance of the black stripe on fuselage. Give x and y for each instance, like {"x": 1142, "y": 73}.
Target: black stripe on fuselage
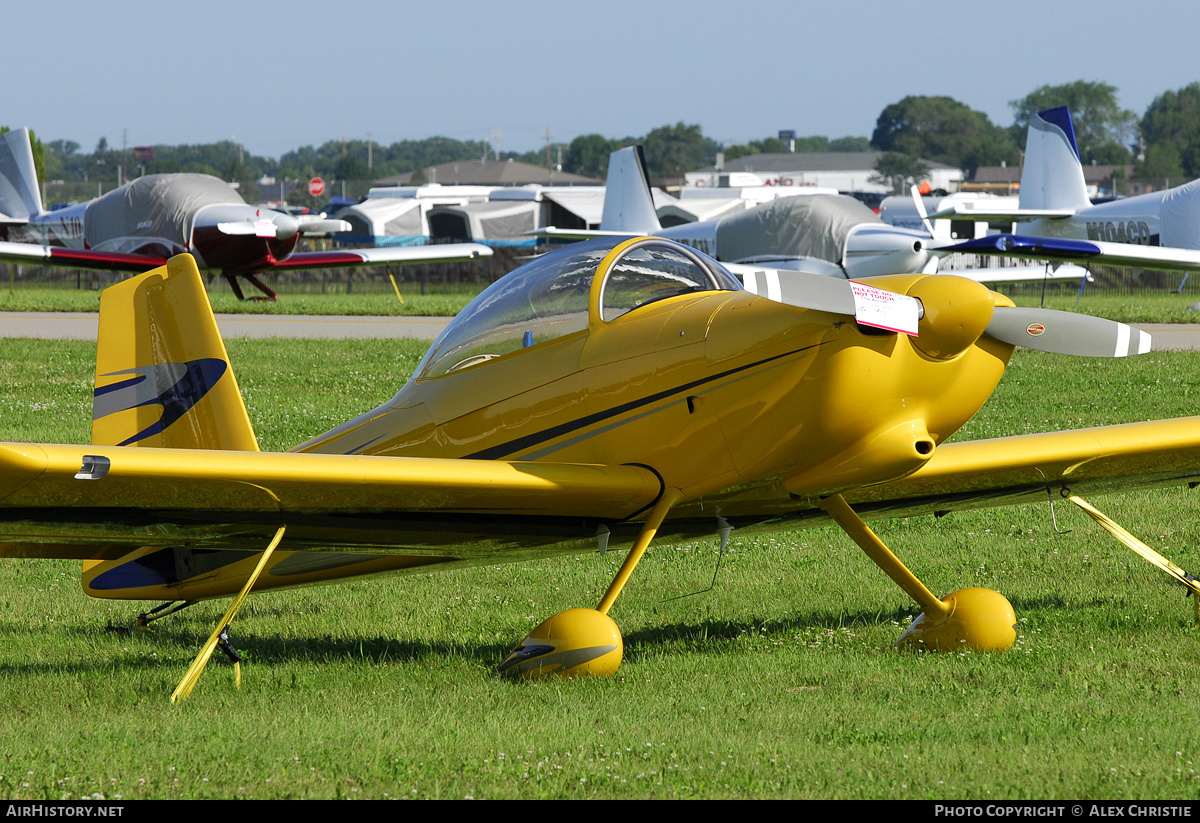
{"x": 530, "y": 440}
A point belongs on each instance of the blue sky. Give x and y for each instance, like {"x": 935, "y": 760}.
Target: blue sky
{"x": 278, "y": 75}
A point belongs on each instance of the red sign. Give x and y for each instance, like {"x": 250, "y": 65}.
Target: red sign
{"x": 143, "y": 154}
{"x": 316, "y": 187}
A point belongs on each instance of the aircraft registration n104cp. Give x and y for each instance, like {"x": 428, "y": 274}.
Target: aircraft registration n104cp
{"x": 137, "y": 226}
{"x": 600, "y": 396}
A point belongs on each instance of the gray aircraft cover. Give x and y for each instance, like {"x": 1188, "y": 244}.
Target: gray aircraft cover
{"x": 810, "y": 225}
{"x": 155, "y": 206}
{"x": 1179, "y": 227}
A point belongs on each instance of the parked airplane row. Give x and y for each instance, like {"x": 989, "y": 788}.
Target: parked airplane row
{"x": 138, "y": 226}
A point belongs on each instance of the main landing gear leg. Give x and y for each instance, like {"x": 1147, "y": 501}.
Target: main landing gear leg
{"x": 580, "y": 642}
{"x": 1145, "y": 552}
{"x": 977, "y": 619}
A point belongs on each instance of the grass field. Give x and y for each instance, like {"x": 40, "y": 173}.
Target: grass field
{"x": 386, "y": 304}
{"x": 780, "y": 682}
{"x": 1145, "y": 307}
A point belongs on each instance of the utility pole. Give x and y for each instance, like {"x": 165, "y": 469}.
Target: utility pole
{"x": 547, "y": 147}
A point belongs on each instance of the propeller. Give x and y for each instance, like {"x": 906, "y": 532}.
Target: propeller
{"x": 954, "y": 312}
{"x": 1064, "y": 332}
{"x": 277, "y": 225}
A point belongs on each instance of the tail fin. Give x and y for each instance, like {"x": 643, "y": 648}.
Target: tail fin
{"x": 628, "y": 203}
{"x": 20, "y": 196}
{"x": 1053, "y": 175}
{"x": 163, "y": 377}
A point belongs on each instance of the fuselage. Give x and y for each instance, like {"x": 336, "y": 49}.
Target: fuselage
{"x": 726, "y": 395}
{"x": 1137, "y": 220}
{"x": 866, "y": 249}
{"x": 168, "y": 214}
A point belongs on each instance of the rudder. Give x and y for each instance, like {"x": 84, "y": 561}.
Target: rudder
{"x": 1053, "y": 175}
{"x": 20, "y": 195}
{"x": 628, "y": 203}
{"x": 163, "y": 377}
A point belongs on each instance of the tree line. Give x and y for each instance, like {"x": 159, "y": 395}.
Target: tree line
{"x": 1163, "y": 143}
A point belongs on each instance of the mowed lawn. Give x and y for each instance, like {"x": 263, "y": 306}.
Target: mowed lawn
{"x": 780, "y": 681}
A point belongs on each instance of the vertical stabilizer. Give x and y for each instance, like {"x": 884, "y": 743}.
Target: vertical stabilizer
{"x": 20, "y": 196}
{"x": 163, "y": 377}
{"x": 628, "y": 203}
{"x": 1053, "y": 175}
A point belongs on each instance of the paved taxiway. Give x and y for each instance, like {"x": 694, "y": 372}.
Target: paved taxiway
{"x": 82, "y": 326}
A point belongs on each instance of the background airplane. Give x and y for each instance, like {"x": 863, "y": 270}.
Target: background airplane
{"x": 599, "y": 397}
{"x": 827, "y": 234}
{"x": 138, "y": 226}
{"x": 1055, "y": 219}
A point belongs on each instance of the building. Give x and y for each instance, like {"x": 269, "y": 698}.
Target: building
{"x": 844, "y": 171}
{"x": 489, "y": 172}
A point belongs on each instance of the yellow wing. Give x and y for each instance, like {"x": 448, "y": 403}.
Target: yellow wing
{"x": 183, "y": 524}
{"x": 1010, "y": 470}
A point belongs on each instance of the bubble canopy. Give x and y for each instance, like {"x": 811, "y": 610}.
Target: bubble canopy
{"x": 552, "y": 297}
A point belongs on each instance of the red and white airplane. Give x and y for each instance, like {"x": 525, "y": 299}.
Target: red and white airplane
{"x": 138, "y": 226}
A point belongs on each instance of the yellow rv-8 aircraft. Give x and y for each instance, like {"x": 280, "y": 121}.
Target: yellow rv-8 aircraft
{"x": 615, "y": 391}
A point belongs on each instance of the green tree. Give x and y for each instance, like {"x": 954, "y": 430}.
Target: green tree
{"x": 1161, "y": 162}
{"x": 943, "y": 130}
{"x": 899, "y": 171}
{"x": 673, "y": 150}
{"x": 1173, "y": 119}
{"x": 1102, "y": 128}
{"x": 351, "y": 168}
{"x": 850, "y": 144}
{"x": 588, "y": 155}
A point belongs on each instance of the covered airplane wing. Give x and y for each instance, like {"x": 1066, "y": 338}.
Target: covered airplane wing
{"x": 78, "y": 258}
{"x": 119, "y": 261}
{"x": 1131, "y": 255}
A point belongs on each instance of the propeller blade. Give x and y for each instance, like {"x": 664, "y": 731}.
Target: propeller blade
{"x": 920, "y": 204}
{"x": 868, "y": 305}
{"x": 1064, "y": 332}
{"x": 324, "y": 226}
{"x": 236, "y": 227}
{"x": 797, "y": 288}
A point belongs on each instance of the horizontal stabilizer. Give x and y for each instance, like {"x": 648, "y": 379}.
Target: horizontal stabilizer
{"x": 981, "y": 211}
{"x": 555, "y": 233}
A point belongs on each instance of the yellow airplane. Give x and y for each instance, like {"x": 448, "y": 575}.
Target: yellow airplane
{"x": 617, "y": 390}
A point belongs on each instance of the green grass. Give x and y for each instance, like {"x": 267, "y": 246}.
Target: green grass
{"x": 1140, "y": 308}
{"x": 780, "y": 682}
{"x": 224, "y": 302}
{"x": 1124, "y": 308}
